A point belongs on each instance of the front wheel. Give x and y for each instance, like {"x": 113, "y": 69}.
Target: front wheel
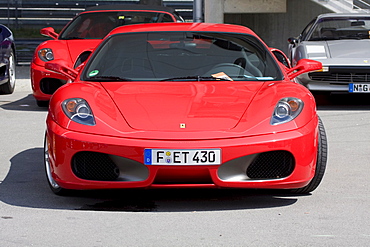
{"x": 8, "y": 87}
{"x": 52, "y": 183}
{"x": 322, "y": 155}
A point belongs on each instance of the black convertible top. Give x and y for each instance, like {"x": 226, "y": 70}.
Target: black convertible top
{"x": 131, "y": 7}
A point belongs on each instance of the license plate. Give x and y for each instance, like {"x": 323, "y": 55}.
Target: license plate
{"x": 359, "y": 88}
{"x": 182, "y": 156}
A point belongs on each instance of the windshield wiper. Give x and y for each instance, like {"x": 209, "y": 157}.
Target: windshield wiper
{"x": 324, "y": 38}
{"x": 355, "y": 36}
{"x": 197, "y": 78}
{"x": 108, "y": 78}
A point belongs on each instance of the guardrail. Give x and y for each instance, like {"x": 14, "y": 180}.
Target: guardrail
{"x": 25, "y": 49}
{"x": 58, "y": 13}
{"x": 21, "y": 14}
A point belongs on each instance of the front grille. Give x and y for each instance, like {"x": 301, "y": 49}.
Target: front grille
{"x": 50, "y": 85}
{"x": 94, "y": 166}
{"x": 340, "y": 77}
{"x": 271, "y": 165}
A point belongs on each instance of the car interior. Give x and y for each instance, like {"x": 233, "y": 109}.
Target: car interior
{"x": 334, "y": 29}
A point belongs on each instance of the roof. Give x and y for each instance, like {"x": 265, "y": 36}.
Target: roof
{"x": 188, "y": 26}
{"x": 131, "y": 7}
{"x": 343, "y": 15}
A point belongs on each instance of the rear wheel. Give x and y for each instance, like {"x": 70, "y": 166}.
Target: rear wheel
{"x": 322, "y": 154}
{"x": 9, "y": 86}
{"x": 52, "y": 183}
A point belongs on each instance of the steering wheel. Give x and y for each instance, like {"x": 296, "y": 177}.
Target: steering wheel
{"x": 230, "y": 69}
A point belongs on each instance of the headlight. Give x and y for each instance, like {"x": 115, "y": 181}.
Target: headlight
{"x": 46, "y": 54}
{"x": 286, "y": 110}
{"x": 78, "y": 110}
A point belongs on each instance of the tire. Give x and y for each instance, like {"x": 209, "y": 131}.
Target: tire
{"x": 41, "y": 103}
{"x": 322, "y": 155}
{"x": 8, "y": 87}
{"x": 52, "y": 183}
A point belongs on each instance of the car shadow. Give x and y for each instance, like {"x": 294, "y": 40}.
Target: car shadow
{"x": 25, "y": 186}
{"x": 22, "y": 72}
{"x": 342, "y": 101}
{"x": 27, "y": 103}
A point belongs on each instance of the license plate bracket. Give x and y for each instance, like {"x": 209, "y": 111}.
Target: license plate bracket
{"x": 359, "y": 88}
{"x": 182, "y": 156}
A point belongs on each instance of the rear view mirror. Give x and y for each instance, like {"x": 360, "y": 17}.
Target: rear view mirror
{"x": 357, "y": 23}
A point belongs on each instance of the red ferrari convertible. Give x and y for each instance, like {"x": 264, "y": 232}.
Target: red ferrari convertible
{"x": 183, "y": 105}
{"x": 81, "y": 35}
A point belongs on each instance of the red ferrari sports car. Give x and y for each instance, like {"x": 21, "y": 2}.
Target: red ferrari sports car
{"x": 81, "y": 35}
{"x": 177, "y": 105}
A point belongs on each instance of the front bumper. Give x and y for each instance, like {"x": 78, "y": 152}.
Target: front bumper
{"x": 45, "y": 82}
{"x": 118, "y": 162}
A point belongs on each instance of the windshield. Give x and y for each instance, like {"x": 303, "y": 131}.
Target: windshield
{"x": 97, "y": 25}
{"x": 172, "y": 56}
{"x": 335, "y": 28}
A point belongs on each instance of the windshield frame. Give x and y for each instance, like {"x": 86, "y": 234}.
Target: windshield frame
{"x": 248, "y": 38}
{"x": 70, "y": 28}
{"x": 342, "y": 32}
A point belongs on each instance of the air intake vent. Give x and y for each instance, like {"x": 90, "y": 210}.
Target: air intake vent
{"x": 94, "y": 166}
{"x": 271, "y": 165}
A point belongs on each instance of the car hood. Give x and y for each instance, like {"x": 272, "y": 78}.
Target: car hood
{"x": 172, "y": 106}
{"x": 349, "y": 48}
{"x": 340, "y": 52}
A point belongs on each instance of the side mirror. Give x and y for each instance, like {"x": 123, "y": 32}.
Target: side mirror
{"x": 293, "y": 41}
{"x": 304, "y": 66}
{"x": 60, "y": 67}
{"x": 49, "y": 32}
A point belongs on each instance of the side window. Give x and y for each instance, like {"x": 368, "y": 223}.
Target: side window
{"x": 306, "y": 30}
{"x": 178, "y": 17}
{"x": 281, "y": 58}
{"x": 166, "y": 18}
